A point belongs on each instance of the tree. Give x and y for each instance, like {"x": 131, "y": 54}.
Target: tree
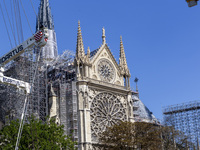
{"x": 36, "y": 135}
{"x": 119, "y": 136}
{"x": 128, "y": 135}
{"x": 173, "y": 139}
{"x": 147, "y": 136}
{"x": 143, "y": 136}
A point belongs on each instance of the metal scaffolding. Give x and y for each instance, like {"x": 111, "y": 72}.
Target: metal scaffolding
{"x": 61, "y": 75}
{"x": 12, "y": 98}
{"x": 140, "y": 112}
{"x": 185, "y": 117}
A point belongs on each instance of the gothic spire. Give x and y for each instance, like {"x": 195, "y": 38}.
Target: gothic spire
{"x": 80, "y": 53}
{"x": 44, "y": 18}
{"x": 122, "y": 59}
{"x": 103, "y": 36}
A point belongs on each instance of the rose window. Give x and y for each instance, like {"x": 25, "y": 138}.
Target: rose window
{"x": 106, "y": 110}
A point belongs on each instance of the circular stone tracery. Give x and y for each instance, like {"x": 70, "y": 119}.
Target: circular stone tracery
{"x": 106, "y": 110}
{"x": 106, "y": 70}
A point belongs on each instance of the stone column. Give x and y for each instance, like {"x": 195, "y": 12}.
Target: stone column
{"x": 83, "y": 119}
{"x": 86, "y": 71}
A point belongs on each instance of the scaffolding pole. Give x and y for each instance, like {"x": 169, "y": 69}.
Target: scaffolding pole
{"x": 185, "y": 117}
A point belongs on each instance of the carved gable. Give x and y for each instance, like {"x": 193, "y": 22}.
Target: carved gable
{"x": 104, "y": 67}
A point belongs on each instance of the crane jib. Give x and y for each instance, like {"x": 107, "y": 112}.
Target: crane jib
{"x": 11, "y": 54}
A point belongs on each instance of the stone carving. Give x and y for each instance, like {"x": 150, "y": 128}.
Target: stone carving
{"x": 106, "y": 110}
{"x": 106, "y": 70}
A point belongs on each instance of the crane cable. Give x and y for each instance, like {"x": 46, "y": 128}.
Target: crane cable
{"x": 16, "y": 21}
{"x": 10, "y": 23}
{"x": 12, "y": 17}
{"x": 33, "y": 8}
{"x": 20, "y": 21}
{"x": 6, "y": 26}
{"x": 26, "y": 16}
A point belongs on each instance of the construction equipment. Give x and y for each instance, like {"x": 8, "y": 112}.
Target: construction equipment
{"x": 192, "y": 3}
{"x": 14, "y": 82}
{"x": 38, "y": 39}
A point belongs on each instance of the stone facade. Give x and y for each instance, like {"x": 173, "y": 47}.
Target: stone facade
{"x": 96, "y": 96}
{"x": 104, "y": 95}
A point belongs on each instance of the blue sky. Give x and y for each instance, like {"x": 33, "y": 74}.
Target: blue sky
{"x": 161, "y": 41}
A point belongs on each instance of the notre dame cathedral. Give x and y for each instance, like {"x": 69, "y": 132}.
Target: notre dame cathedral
{"x": 89, "y": 93}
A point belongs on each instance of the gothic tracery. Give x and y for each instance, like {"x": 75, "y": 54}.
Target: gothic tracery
{"x": 106, "y": 110}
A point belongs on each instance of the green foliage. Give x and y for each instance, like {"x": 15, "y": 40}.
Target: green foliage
{"x": 36, "y": 135}
{"x": 8, "y": 136}
{"x": 119, "y": 136}
{"x": 142, "y": 136}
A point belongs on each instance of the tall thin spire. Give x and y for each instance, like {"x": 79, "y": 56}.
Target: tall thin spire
{"x": 103, "y": 36}
{"x": 122, "y": 59}
{"x": 44, "y": 18}
{"x": 80, "y": 52}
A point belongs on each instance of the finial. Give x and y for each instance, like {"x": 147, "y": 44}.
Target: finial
{"x": 88, "y": 51}
{"x": 79, "y": 28}
{"x": 121, "y": 45}
{"x": 136, "y": 81}
{"x": 79, "y": 24}
{"x": 103, "y": 36}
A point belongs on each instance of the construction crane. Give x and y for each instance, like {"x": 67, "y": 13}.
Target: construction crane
{"x": 39, "y": 39}
{"x": 192, "y": 3}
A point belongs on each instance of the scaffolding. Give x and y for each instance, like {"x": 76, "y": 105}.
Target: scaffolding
{"x": 140, "y": 112}
{"x": 59, "y": 72}
{"x": 61, "y": 75}
{"x": 185, "y": 117}
{"x": 12, "y": 98}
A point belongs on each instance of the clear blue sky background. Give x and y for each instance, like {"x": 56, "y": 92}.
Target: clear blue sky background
{"x": 161, "y": 41}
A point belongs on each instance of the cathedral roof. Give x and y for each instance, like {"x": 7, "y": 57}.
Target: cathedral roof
{"x": 142, "y": 112}
{"x": 93, "y": 53}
